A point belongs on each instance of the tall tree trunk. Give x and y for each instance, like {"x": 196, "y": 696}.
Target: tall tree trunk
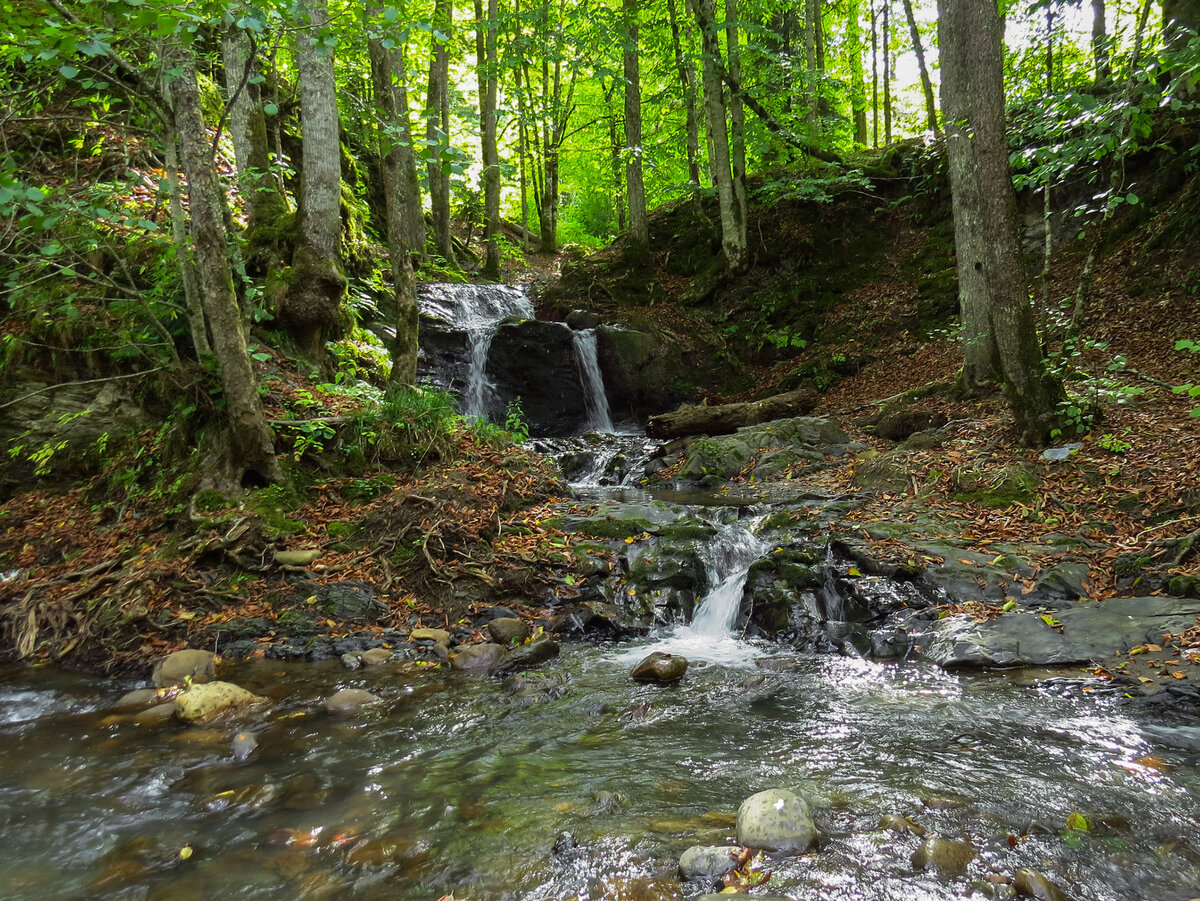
{"x": 733, "y": 221}
{"x": 874, "y": 76}
{"x": 971, "y": 40}
{"x": 858, "y": 90}
{"x": 1100, "y": 47}
{"x": 887, "y": 72}
{"x": 737, "y": 114}
{"x": 637, "y": 243}
{"x": 310, "y": 310}
{"x": 251, "y": 444}
{"x": 615, "y": 146}
{"x": 810, "y": 58}
{"x": 437, "y": 126}
{"x": 192, "y": 292}
{"x": 485, "y": 48}
{"x": 248, "y": 129}
{"x": 926, "y": 84}
{"x": 687, "y": 82}
{"x": 384, "y": 76}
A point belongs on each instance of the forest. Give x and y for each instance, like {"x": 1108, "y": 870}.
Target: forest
{"x": 615, "y": 415}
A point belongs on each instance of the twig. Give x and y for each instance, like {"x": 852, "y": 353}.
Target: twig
{"x": 108, "y": 378}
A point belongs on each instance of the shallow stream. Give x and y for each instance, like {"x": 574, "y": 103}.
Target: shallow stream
{"x": 464, "y": 785}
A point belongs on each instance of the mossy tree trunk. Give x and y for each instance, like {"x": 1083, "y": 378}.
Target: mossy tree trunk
{"x": 311, "y": 307}
{"x": 687, "y": 82}
{"x": 971, "y": 39}
{"x": 250, "y": 439}
{"x": 437, "y": 126}
{"x": 384, "y": 76}
{"x": 637, "y": 244}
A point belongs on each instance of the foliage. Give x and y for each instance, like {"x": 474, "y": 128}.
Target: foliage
{"x": 1191, "y": 390}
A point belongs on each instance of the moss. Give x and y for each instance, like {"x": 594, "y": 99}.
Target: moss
{"x": 272, "y": 504}
{"x": 209, "y": 501}
{"x": 368, "y": 489}
{"x": 615, "y": 528}
{"x": 1011, "y": 485}
{"x": 687, "y": 530}
{"x": 340, "y": 528}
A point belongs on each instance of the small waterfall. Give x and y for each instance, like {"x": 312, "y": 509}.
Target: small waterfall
{"x": 476, "y": 310}
{"x": 728, "y": 563}
{"x": 599, "y": 418}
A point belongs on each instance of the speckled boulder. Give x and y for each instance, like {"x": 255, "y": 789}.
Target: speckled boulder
{"x": 775, "y": 820}
{"x": 201, "y": 703}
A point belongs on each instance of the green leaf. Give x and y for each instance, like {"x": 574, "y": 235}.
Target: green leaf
{"x": 68, "y": 71}
{"x": 270, "y": 109}
{"x": 1132, "y": 199}
{"x": 1079, "y": 823}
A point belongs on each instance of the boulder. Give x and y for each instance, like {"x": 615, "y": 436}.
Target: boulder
{"x": 525, "y": 657}
{"x": 376, "y": 657}
{"x": 894, "y": 822}
{"x": 350, "y": 700}
{"x": 508, "y": 629}
{"x": 349, "y": 602}
{"x": 437, "y": 636}
{"x": 178, "y": 668}
{"x": 947, "y": 857}
{"x": 137, "y": 700}
{"x": 660, "y": 669}
{"x": 708, "y": 861}
{"x": 156, "y": 715}
{"x": 535, "y": 361}
{"x": 243, "y": 745}
{"x": 1032, "y": 884}
{"x": 206, "y": 701}
{"x": 476, "y": 657}
{"x": 775, "y": 820}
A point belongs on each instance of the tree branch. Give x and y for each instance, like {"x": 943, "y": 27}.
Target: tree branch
{"x": 773, "y": 125}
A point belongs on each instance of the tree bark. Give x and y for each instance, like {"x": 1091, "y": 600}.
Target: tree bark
{"x": 192, "y": 292}
{"x": 1100, "y": 46}
{"x": 733, "y": 217}
{"x": 721, "y": 419}
{"x": 485, "y": 47}
{"x": 971, "y": 38}
{"x": 810, "y": 57}
{"x": 251, "y": 441}
{"x": 637, "y": 242}
{"x": 384, "y": 76}
{"x": 687, "y": 82}
{"x": 874, "y": 76}
{"x": 737, "y": 115}
{"x": 858, "y": 90}
{"x": 615, "y": 146}
{"x": 311, "y": 308}
{"x": 248, "y": 130}
{"x": 926, "y": 84}
{"x": 437, "y": 127}
{"x": 887, "y": 72}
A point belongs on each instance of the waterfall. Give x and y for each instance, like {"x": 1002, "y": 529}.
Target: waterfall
{"x": 727, "y": 563}
{"x": 599, "y": 418}
{"x": 477, "y": 310}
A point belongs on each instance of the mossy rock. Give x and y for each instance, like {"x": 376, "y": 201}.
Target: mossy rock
{"x": 1010, "y": 485}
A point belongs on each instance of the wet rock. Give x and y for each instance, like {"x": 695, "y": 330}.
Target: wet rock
{"x": 640, "y": 888}
{"x": 508, "y": 629}
{"x": 660, "y": 669}
{"x": 136, "y": 700}
{"x": 177, "y": 668}
{"x": 607, "y": 802}
{"x": 775, "y": 820}
{"x": 496, "y": 612}
{"x": 201, "y": 703}
{"x": 244, "y": 744}
{"x": 350, "y": 700}
{"x": 437, "y": 636}
{"x": 349, "y": 602}
{"x": 353, "y": 660}
{"x": 525, "y": 657}
{"x": 535, "y": 360}
{"x": 893, "y": 822}
{"x": 476, "y": 657}
{"x": 1032, "y": 884}
{"x": 376, "y": 657}
{"x": 582, "y": 621}
{"x": 582, "y": 319}
{"x": 156, "y": 715}
{"x": 949, "y": 858}
{"x": 564, "y": 842}
{"x": 742, "y": 896}
{"x": 710, "y": 861}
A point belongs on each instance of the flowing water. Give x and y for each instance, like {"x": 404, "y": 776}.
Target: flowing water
{"x": 588, "y": 362}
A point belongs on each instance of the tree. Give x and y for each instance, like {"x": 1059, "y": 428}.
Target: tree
{"x": 858, "y": 91}
{"x": 926, "y": 84}
{"x": 251, "y": 444}
{"x": 310, "y": 309}
{"x": 387, "y": 80}
{"x": 638, "y": 241}
{"x": 687, "y": 83}
{"x": 733, "y": 212}
{"x": 985, "y": 214}
{"x": 486, "y": 68}
{"x": 437, "y": 127}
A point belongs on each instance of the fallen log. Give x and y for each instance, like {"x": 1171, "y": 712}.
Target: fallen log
{"x": 721, "y": 419}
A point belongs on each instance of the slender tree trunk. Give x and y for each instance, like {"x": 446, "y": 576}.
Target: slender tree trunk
{"x": 251, "y": 442}
{"x": 248, "y": 129}
{"x": 192, "y": 293}
{"x": 485, "y": 47}
{"x": 687, "y": 82}
{"x": 437, "y": 126}
{"x": 1100, "y": 48}
{"x": 874, "y": 76}
{"x": 615, "y": 145}
{"x": 404, "y": 283}
{"x": 926, "y": 84}
{"x": 637, "y": 243}
{"x": 971, "y": 40}
{"x": 858, "y": 90}
{"x": 733, "y": 222}
{"x": 810, "y": 58}
{"x": 737, "y": 114}
{"x": 887, "y": 72}
{"x": 310, "y": 310}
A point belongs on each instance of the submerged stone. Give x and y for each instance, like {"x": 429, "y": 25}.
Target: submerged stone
{"x": 525, "y": 657}
{"x": 476, "y": 657}
{"x": 178, "y": 668}
{"x": 947, "y": 857}
{"x": 350, "y": 700}
{"x": 775, "y": 820}
{"x": 1032, "y": 884}
{"x": 710, "y": 861}
{"x": 893, "y": 822}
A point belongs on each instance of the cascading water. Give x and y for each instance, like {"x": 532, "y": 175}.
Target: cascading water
{"x": 727, "y": 564}
{"x": 588, "y": 360}
{"x": 476, "y": 310}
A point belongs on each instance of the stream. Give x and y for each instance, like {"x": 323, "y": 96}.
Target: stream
{"x": 573, "y": 781}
